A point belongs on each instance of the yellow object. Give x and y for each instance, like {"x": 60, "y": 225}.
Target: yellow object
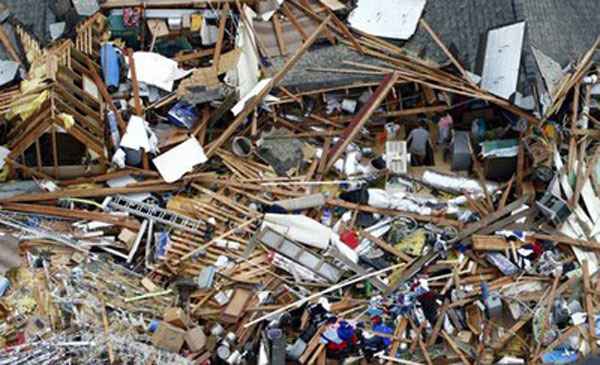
{"x": 196, "y": 22}
{"x": 84, "y": 186}
{"x": 413, "y": 244}
{"x": 27, "y": 109}
{"x": 67, "y": 119}
{"x": 4, "y": 173}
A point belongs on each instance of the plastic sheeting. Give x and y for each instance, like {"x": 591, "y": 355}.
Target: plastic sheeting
{"x": 412, "y": 203}
{"x": 455, "y": 184}
{"x": 157, "y": 70}
{"x": 300, "y": 228}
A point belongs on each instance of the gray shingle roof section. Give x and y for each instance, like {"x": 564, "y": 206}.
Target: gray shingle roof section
{"x": 34, "y": 15}
{"x": 324, "y": 56}
{"x": 460, "y": 24}
{"x": 563, "y": 29}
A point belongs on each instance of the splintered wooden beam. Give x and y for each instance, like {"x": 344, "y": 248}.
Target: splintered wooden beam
{"x": 589, "y": 305}
{"x": 449, "y": 54}
{"x": 112, "y": 4}
{"x": 582, "y": 179}
{"x": 9, "y": 47}
{"x": 139, "y": 108}
{"x": 292, "y": 18}
{"x": 386, "y": 246}
{"x": 251, "y": 105}
{"x": 489, "y": 219}
{"x": 28, "y": 169}
{"x": 86, "y": 193}
{"x": 361, "y": 119}
{"x": 399, "y": 332}
{"x": 343, "y": 29}
{"x": 105, "y": 95}
{"x": 221, "y": 34}
{"x": 573, "y": 138}
{"x": 306, "y": 8}
{"x": 455, "y": 347}
{"x": 73, "y": 213}
{"x": 278, "y": 29}
{"x": 548, "y": 303}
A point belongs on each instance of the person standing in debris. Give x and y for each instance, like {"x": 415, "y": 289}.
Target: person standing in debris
{"x": 419, "y": 140}
{"x": 446, "y": 133}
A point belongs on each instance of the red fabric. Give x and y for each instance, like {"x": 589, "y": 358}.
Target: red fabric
{"x": 537, "y": 249}
{"x": 350, "y": 239}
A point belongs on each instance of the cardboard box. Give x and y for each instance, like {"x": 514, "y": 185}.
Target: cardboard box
{"x": 168, "y": 337}
{"x": 196, "y": 339}
{"x": 236, "y": 306}
{"x": 177, "y": 317}
{"x": 127, "y": 237}
{"x": 211, "y": 343}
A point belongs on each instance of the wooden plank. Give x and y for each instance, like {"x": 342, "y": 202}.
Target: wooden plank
{"x": 8, "y": 46}
{"x": 28, "y": 138}
{"x": 277, "y": 28}
{"x": 386, "y": 246}
{"x": 305, "y": 7}
{"x": 520, "y": 163}
{"x": 27, "y": 169}
{"x": 112, "y": 4}
{"x": 567, "y": 240}
{"x": 438, "y": 324}
{"x": 443, "y": 47}
{"x": 105, "y": 95}
{"x": 221, "y": 35}
{"x": 80, "y": 118}
{"x": 361, "y": 119}
{"x": 572, "y": 139}
{"x": 87, "y": 193}
{"x": 79, "y": 92}
{"x": 292, "y": 18}
{"x": 506, "y": 193}
{"x": 139, "y": 108}
{"x": 479, "y": 172}
{"x": 485, "y": 221}
{"x": 398, "y": 332}
{"x": 343, "y": 28}
{"x": 489, "y": 243}
{"x": 73, "y": 213}
{"x": 38, "y": 154}
{"x": 502, "y": 223}
{"x": 455, "y": 347}
{"x": 54, "y": 152}
{"x": 184, "y": 57}
{"x": 548, "y": 303}
{"x": 589, "y": 305}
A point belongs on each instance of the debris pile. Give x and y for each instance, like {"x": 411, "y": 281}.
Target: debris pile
{"x": 295, "y": 181}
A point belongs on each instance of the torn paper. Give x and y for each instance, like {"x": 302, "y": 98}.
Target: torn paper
{"x": 390, "y": 19}
{"x": 135, "y": 136}
{"x": 178, "y": 161}
{"x": 154, "y": 69}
